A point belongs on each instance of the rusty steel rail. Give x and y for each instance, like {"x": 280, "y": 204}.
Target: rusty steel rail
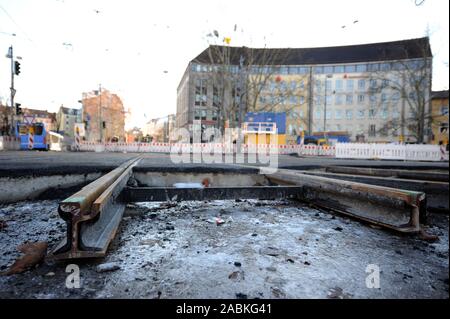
{"x": 93, "y": 215}
{"x": 396, "y": 209}
{"x": 396, "y": 173}
{"x": 436, "y": 192}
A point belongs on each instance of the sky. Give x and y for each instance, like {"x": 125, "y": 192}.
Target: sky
{"x": 140, "y": 49}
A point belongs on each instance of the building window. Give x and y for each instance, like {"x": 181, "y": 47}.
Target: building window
{"x": 328, "y": 85}
{"x": 396, "y": 97}
{"x": 293, "y": 85}
{"x": 362, "y": 85}
{"x": 318, "y": 100}
{"x": 349, "y": 114}
{"x": 318, "y": 86}
{"x": 303, "y": 70}
{"x": 349, "y": 99}
{"x": 361, "y": 68}
{"x": 214, "y": 115}
{"x": 216, "y": 97}
{"x": 302, "y": 114}
{"x": 338, "y": 115}
{"x": 236, "y": 94}
{"x": 284, "y": 70}
{"x": 200, "y": 92}
{"x": 262, "y": 99}
{"x": 444, "y": 110}
{"x": 372, "y": 113}
{"x": 412, "y": 95}
{"x": 272, "y": 86}
{"x": 373, "y": 99}
{"x": 328, "y": 99}
{"x": 339, "y": 69}
{"x": 293, "y": 70}
{"x": 338, "y": 99}
{"x": 361, "y": 114}
{"x": 372, "y": 130}
{"x": 384, "y": 113}
{"x": 349, "y": 85}
{"x": 373, "y": 67}
{"x": 318, "y": 69}
{"x": 339, "y": 85}
{"x": 317, "y": 114}
{"x": 293, "y": 99}
{"x": 302, "y": 84}
{"x": 327, "y": 69}
{"x": 443, "y": 128}
{"x": 203, "y": 113}
{"x": 350, "y": 68}
{"x": 373, "y": 84}
{"x": 361, "y": 98}
{"x": 385, "y": 66}
{"x": 196, "y": 114}
{"x": 302, "y": 99}
{"x": 273, "y": 100}
{"x": 328, "y": 114}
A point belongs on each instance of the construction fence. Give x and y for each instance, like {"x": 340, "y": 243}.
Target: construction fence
{"x": 407, "y": 152}
{"x": 9, "y": 143}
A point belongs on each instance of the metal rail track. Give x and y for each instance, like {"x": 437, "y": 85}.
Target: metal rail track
{"x": 94, "y": 213}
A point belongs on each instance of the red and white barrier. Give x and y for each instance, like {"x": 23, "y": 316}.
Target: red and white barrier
{"x": 414, "y": 152}
{"x": 408, "y": 152}
{"x": 30, "y": 140}
{"x": 9, "y": 143}
{"x": 444, "y": 153}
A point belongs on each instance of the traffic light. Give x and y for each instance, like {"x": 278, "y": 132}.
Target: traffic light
{"x": 17, "y": 67}
{"x": 18, "y": 109}
{"x": 104, "y": 124}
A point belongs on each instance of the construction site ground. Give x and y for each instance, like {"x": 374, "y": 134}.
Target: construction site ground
{"x": 259, "y": 249}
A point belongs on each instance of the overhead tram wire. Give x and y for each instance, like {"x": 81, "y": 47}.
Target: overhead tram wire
{"x": 20, "y": 28}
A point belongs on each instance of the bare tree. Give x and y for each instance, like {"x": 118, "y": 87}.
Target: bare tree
{"x": 241, "y": 78}
{"x": 406, "y": 82}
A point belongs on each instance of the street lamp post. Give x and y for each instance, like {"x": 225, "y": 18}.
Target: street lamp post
{"x": 329, "y": 76}
{"x": 100, "y": 126}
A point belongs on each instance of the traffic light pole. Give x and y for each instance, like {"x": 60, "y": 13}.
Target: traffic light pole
{"x": 13, "y": 91}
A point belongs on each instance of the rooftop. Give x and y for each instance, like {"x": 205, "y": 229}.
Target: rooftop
{"x": 439, "y": 94}
{"x": 396, "y": 50}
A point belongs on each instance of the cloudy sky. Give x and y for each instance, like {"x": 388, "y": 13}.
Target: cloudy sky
{"x": 140, "y": 49}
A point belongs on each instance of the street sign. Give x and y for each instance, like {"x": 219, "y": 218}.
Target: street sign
{"x": 29, "y": 119}
{"x": 9, "y": 54}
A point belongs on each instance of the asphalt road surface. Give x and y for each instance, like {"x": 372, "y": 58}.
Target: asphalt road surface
{"x": 19, "y": 163}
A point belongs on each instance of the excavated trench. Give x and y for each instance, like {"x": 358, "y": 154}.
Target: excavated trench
{"x": 231, "y": 248}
